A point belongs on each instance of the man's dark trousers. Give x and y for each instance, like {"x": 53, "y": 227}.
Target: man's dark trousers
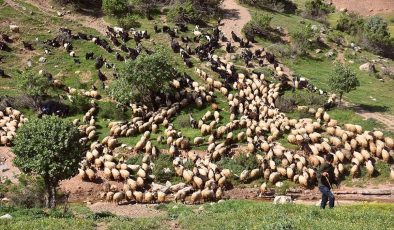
{"x": 326, "y": 196}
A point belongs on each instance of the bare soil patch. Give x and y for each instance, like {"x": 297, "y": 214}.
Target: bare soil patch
{"x": 133, "y": 211}
{"x": 7, "y": 168}
{"x": 365, "y": 7}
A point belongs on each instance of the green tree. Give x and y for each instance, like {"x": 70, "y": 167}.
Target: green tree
{"x": 350, "y": 23}
{"x": 343, "y": 80}
{"x": 115, "y": 7}
{"x": 33, "y": 85}
{"x": 143, "y": 78}
{"x": 316, "y": 8}
{"x": 48, "y": 147}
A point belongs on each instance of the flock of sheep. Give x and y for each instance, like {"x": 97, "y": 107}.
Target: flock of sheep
{"x": 254, "y": 122}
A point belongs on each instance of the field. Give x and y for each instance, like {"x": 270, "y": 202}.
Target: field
{"x": 226, "y": 215}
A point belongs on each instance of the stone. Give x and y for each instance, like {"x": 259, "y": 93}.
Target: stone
{"x": 283, "y": 200}
{"x": 318, "y": 51}
{"x": 365, "y": 66}
{"x": 42, "y": 60}
{"x": 6, "y": 216}
{"x": 279, "y": 184}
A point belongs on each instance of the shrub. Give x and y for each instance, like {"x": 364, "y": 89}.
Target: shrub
{"x": 28, "y": 193}
{"x": 239, "y": 163}
{"x": 79, "y": 104}
{"x": 287, "y": 6}
{"x": 114, "y": 7}
{"x": 336, "y": 37}
{"x": 317, "y": 8}
{"x": 376, "y": 36}
{"x": 301, "y": 40}
{"x": 163, "y": 162}
{"x": 184, "y": 12}
{"x": 143, "y": 78}
{"x": 259, "y": 25}
{"x": 127, "y": 22}
{"x": 109, "y": 111}
{"x": 350, "y": 23}
{"x": 281, "y": 50}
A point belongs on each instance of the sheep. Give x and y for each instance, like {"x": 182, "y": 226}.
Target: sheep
{"x": 117, "y": 197}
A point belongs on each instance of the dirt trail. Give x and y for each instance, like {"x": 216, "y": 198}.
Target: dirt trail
{"x": 386, "y": 120}
{"x": 235, "y": 17}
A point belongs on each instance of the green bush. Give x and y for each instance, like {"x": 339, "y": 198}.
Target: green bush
{"x": 127, "y": 22}
{"x": 317, "y": 8}
{"x": 376, "y": 36}
{"x": 343, "y": 80}
{"x": 184, "y": 12}
{"x": 239, "y": 163}
{"x": 302, "y": 40}
{"x": 79, "y": 104}
{"x": 162, "y": 162}
{"x": 108, "y": 110}
{"x": 288, "y": 101}
{"x": 287, "y": 6}
{"x": 336, "y": 37}
{"x": 259, "y": 25}
{"x": 114, "y": 7}
{"x": 28, "y": 193}
{"x": 350, "y": 23}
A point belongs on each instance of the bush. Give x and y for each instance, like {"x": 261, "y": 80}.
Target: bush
{"x": 28, "y": 193}
{"x": 288, "y": 101}
{"x": 343, "y": 80}
{"x": 376, "y": 36}
{"x": 281, "y": 50}
{"x": 336, "y": 37}
{"x": 163, "y": 162}
{"x": 114, "y": 7}
{"x": 185, "y": 13}
{"x": 108, "y": 110}
{"x": 259, "y": 25}
{"x": 301, "y": 40}
{"x": 317, "y": 8}
{"x": 239, "y": 163}
{"x": 79, "y": 104}
{"x": 287, "y": 6}
{"x": 127, "y": 22}
{"x": 350, "y": 23}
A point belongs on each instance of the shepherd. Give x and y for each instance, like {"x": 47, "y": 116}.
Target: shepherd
{"x": 326, "y": 178}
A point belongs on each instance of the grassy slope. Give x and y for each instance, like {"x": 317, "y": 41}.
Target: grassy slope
{"x": 318, "y": 68}
{"x": 235, "y": 214}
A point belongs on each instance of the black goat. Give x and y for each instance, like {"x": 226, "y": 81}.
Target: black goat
{"x": 27, "y": 45}
{"x": 89, "y": 55}
{"x": 101, "y": 76}
{"x": 6, "y": 38}
{"x": 119, "y": 57}
{"x": 99, "y": 62}
{"x": 4, "y": 47}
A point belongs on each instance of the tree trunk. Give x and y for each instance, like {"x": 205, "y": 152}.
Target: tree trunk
{"x": 51, "y": 192}
{"x": 53, "y": 200}
{"x": 340, "y": 98}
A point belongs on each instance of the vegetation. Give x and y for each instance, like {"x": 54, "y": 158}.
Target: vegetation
{"x": 28, "y": 192}
{"x": 259, "y": 25}
{"x": 317, "y": 9}
{"x": 302, "y": 40}
{"x": 376, "y": 36}
{"x": 114, "y": 7}
{"x": 33, "y": 85}
{"x": 276, "y": 5}
{"x": 343, "y": 80}
{"x": 143, "y": 78}
{"x": 48, "y": 147}
{"x": 193, "y": 11}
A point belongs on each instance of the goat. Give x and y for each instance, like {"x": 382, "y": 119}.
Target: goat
{"x": 27, "y": 45}
{"x": 99, "y": 62}
{"x": 101, "y": 76}
{"x": 89, "y": 55}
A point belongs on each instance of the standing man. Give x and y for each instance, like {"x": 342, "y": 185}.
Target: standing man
{"x": 326, "y": 177}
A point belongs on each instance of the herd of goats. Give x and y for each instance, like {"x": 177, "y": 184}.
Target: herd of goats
{"x": 254, "y": 117}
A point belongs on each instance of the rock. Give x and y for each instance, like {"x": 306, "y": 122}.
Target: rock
{"x": 6, "y": 216}
{"x": 42, "y": 59}
{"x": 283, "y": 200}
{"x": 279, "y": 184}
{"x": 29, "y": 63}
{"x": 365, "y": 67}
{"x": 201, "y": 209}
{"x": 221, "y": 201}
{"x": 314, "y": 27}
{"x": 14, "y": 28}
{"x": 318, "y": 51}
{"x": 329, "y": 53}
{"x": 77, "y": 72}
{"x": 342, "y": 10}
{"x": 60, "y": 14}
{"x": 351, "y": 61}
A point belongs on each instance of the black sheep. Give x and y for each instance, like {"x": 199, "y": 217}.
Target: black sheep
{"x": 89, "y": 55}
{"x": 99, "y": 62}
{"x": 119, "y": 57}
{"x": 27, "y": 45}
{"x": 101, "y": 76}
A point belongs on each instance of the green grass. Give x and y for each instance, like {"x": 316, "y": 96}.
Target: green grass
{"x": 259, "y": 215}
{"x": 344, "y": 116}
{"x": 380, "y": 176}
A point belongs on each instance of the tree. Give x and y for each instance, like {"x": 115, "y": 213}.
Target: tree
{"x": 34, "y": 86}
{"x": 115, "y": 7}
{"x": 48, "y": 147}
{"x": 143, "y": 78}
{"x": 343, "y": 80}
{"x": 301, "y": 40}
{"x": 317, "y": 8}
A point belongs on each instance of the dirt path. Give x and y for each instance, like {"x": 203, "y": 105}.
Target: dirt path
{"x": 386, "y": 120}
{"x": 365, "y": 7}
{"x": 133, "y": 211}
{"x": 234, "y": 18}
